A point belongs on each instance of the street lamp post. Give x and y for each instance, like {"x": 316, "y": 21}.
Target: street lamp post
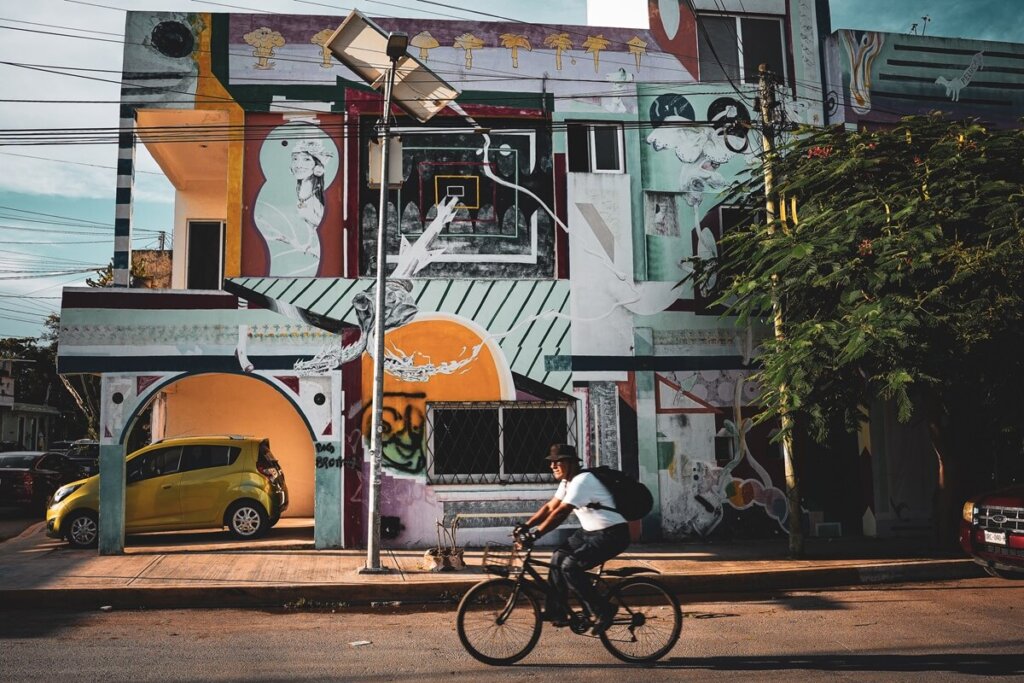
{"x": 360, "y": 44}
{"x": 396, "y": 47}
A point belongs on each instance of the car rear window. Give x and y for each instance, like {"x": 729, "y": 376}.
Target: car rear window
{"x": 16, "y": 461}
{"x": 266, "y": 458}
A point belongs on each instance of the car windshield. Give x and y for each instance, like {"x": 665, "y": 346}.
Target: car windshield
{"x": 16, "y": 461}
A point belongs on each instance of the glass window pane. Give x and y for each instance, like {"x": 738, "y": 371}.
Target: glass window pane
{"x": 762, "y": 44}
{"x": 528, "y": 434}
{"x": 578, "y": 145}
{"x": 606, "y": 148}
{"x": 465, "y": 441}
{"x": 717, "y": 49}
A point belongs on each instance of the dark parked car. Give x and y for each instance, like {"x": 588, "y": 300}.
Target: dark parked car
{"x": 29, "y": 478}
{"x": 86, "y": 454}
{"x": 992, "y": 531}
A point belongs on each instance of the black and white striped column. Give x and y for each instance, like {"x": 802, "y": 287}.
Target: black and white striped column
{"x": 123, "y": 210}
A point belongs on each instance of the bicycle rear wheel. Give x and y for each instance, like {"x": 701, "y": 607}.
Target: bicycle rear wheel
{"x": 647, "y": 624}
{"x": 496, "y": 624}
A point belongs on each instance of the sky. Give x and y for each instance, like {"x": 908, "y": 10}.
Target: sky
{"x": 74, "y": 184}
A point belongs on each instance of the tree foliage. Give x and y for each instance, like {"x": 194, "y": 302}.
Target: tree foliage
{"x": 36, "y": 381}
{"x": 899, "y": 273}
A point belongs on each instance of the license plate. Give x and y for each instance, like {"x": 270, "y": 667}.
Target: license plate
{"x": 996, "y": 537}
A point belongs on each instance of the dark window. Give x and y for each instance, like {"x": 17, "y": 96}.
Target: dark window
{"x": 465, "y": 441}
{"x": 205, "y": 249}
{"x": 717, "y": 49}
{"x": 501, "y": 442}
{"x": 528, "y": 434}
{"x": 594, "y": 148}
{"x": 730, "y": 49}
{"x": 203, "y": 456}
{"x": 153, "y": 464}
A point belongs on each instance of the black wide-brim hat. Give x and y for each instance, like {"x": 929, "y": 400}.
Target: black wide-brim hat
{"x": 563, "y": 451}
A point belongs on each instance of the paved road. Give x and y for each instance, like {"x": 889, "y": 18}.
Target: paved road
{"x": 933, "y": 632}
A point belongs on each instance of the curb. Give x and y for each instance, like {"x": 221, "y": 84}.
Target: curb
{"x": 450, "y": 590}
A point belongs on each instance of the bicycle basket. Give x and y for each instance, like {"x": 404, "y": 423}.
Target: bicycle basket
{"x": 500, "y": 559}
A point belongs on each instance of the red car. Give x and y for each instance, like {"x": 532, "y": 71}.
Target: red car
{"x": 992, "y": 531}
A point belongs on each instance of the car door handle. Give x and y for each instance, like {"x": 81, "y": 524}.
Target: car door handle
{"x": 166, "y": 486}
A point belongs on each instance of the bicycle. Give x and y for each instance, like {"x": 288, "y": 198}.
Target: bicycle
{"x": 499, "y": 620}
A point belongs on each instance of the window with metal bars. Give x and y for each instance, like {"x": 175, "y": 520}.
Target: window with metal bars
{"x": 501, "y": 442}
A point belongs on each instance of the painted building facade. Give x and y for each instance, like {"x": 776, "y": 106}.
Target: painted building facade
{"x": 534, "y": 249}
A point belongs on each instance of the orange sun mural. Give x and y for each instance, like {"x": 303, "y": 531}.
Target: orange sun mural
{"x": 459, "y": 363}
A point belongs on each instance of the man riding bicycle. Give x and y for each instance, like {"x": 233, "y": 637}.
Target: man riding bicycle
{"x": 604, "y": 534}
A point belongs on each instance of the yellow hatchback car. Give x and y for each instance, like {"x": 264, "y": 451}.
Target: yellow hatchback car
{"x": 208, "y": 482}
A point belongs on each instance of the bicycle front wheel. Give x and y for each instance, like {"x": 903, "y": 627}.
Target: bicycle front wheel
{"x": 647, "y": 624}
{"x": 497, "y": 622}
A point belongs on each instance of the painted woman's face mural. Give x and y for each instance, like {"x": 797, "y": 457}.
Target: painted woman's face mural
{"x": 298, "y": 161}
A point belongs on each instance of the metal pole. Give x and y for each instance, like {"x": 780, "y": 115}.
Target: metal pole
{"x": 373, "y": 533}
{"x": 767, "y": 97}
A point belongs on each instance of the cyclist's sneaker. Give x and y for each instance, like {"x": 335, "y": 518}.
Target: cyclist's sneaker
{"x": 557, "y": 619}
{"x": 604, "y": 619}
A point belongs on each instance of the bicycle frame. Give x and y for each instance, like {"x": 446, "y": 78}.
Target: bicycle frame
{"x": 529, "y": 577}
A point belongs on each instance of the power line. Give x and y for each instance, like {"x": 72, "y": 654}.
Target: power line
{"x": 76, "y": 163}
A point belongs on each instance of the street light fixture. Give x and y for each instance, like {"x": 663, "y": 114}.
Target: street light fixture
{"x": 362, "y": 46}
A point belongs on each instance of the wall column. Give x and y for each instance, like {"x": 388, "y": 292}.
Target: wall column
{"x": 329, "y": 493}
{"x": 123, "y": 207}
{"x": 115, "y": 393}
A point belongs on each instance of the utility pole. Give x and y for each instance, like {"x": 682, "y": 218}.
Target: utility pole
{"x": 769, "y": 108}
{"x": 162, "y": 238}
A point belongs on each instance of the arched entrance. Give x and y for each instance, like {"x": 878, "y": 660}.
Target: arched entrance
{"x": 216, "y": 403}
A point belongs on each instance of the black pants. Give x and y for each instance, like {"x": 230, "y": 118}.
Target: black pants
{"x": 569, "y": 564}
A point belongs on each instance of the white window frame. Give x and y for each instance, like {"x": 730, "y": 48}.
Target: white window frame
{"x": 592, "y": 150}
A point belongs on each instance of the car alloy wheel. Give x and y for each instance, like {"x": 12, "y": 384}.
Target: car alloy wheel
{"x": 247, "y": 520}
{"x": 83, "y": 530}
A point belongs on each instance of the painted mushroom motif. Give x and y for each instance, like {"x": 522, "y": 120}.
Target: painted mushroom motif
{"x": 320, "y": 39}
{"x": 558, "y": 42}
{"x": 637, "y": 48}
{"x": 513, "y": 42}
{"x": 594, "y": 44}
{"x": 425, "y": 42}
{"x": 263, "y": 41}
{"x": 468, "y": 42}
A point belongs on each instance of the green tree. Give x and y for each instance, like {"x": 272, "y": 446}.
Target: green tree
{"x": 897, "y": 266}
{"x": 36, "y": 381}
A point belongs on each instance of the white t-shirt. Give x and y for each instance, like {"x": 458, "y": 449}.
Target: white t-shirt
{"x": 585, "y": 488}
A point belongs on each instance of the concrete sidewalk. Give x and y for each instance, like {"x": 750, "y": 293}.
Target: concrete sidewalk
{"x": 211, "y": 570}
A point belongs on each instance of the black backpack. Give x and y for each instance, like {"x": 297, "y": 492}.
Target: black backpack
{"x": 633, "y": 500}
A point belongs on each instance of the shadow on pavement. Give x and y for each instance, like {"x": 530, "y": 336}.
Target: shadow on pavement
{"x": 961, "y": 663}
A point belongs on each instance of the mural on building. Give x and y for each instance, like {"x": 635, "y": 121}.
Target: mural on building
{"x": 500, "y": 184}
{"x": 885, "y": 76}
{"x": 265, "y": 49}
{"x": 699, "y": 452}
{"x": 456, "y": 360}
{"x": 161, "y": 49}
{"x": 955, "y": 85}
{"x": 263, "y": 41}
{"x": 704, "y": 159}
{"x": 862, "y": 47}
{"x": 292, "y": 168}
